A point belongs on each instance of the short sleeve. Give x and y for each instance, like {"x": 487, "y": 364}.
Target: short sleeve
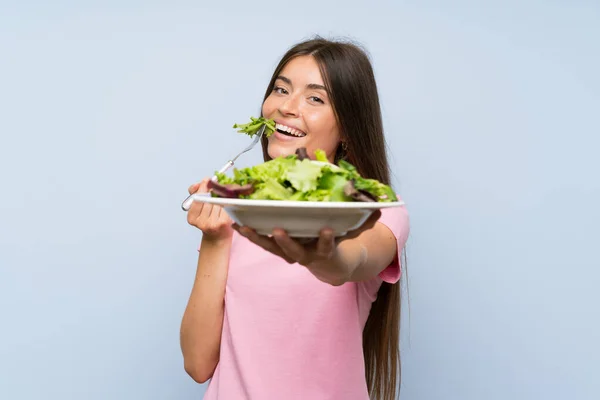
{"x": 397, "y": 221}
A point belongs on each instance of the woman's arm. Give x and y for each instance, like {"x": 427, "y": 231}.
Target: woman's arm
{"x": 202, "y": 321}
{"x": 365, "y": 256}
{"x": 360, "y": 255}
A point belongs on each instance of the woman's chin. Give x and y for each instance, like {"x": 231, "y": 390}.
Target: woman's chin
{"x": 275, "y": 150}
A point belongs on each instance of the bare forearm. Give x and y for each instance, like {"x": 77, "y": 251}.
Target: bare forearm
{"x": 347, "y": 263}
{"x": 360, "y": 258}
{"x": 203, "y": 318}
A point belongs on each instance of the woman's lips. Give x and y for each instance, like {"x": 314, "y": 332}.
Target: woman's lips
{"x": 292, "y": 130}
{"x": 285, "y": 138}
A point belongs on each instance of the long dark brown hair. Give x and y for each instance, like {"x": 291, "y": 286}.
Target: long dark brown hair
{"x": 350, "y": 82}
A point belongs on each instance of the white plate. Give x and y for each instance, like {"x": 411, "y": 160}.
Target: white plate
{"x": 301, "y": 219}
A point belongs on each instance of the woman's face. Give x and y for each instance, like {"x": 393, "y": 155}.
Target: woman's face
{"x": 302, "y": 111}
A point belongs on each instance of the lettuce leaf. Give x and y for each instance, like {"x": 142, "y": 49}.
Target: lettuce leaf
{"x": 375, "y": 188}
{"x": 296, "y": 179}
{"x": 271, "y": 190}
{"x": 303, "y": 175}
{"x": 251, "y": 128}
{"x": 321, "y": 156}
{"x": 333, "y": 184}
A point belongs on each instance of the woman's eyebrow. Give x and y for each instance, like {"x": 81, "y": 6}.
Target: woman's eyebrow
{"x": 314, "y": 86}
{"x": 286, "y": 80}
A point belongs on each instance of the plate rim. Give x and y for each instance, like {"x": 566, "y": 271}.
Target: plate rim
{"x": 204, "y": 198}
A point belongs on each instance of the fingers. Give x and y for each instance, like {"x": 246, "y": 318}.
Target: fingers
{"x": 199, "y": 211}
{"x": 194, "y": 188}
{"x": 326, "y": 244}
{"x": 289, "y": 246}
{"x": 206, "y": 212}
{"x": 215, "y": 215}
{"x": 204, "y": 185}
{"x": 200, "y": 187}
{"x": 223, "y": 216}
{"x": 304, "y": 253}
{"x": 282, "y": 245}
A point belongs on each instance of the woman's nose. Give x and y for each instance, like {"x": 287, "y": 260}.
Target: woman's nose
{"x": 290, "y": 106}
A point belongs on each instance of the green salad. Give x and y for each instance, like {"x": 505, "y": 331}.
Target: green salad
{"x": 251, "y": 128}
{"x": 298, "y": 178}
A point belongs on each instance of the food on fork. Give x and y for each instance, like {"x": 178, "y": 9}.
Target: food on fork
{"x": 298, "y": 178}
{"x": 251, "y": 128}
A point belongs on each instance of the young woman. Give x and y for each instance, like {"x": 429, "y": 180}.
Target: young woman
{"x": 273, "y": 318}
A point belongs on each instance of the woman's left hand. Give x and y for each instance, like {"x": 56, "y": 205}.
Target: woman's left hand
{"x": 317, "y": 255}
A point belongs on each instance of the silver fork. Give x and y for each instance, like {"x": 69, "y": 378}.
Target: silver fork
{"x": 187, "y": 203}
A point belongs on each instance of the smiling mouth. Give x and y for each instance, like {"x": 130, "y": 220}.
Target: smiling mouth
{"x": 288, "y": 131}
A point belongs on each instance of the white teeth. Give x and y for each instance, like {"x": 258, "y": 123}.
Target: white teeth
{"x": 290, "y": 130}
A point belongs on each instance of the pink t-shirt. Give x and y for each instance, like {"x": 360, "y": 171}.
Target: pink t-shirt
{"x": 287, "y": 335}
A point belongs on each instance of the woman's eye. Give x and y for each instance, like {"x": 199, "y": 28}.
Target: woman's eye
{"x": 280, "y": 90}
{"x": 316, "y": 99}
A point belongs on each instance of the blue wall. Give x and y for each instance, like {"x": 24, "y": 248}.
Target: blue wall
{"x": 109, "y": 111}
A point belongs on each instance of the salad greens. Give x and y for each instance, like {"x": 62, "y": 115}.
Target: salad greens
{"x": 298, "y": 178}
{"x": 252, "y": 127}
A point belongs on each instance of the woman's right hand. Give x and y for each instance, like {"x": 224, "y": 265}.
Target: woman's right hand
{"x": 212, "y": 220}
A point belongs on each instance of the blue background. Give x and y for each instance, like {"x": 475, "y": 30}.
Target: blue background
{"x": 109, "y": 111}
